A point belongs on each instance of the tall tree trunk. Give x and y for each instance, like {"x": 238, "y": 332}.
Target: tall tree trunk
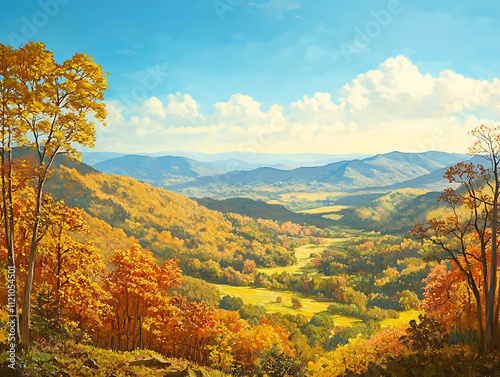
{"x": 118, "y": 332}
{"x": 128, "y": 322}
{"x": 26, "y": 308}
{"x": 134, "y": 336}
{"x": 58, "y": 282}
{"x": 25, "y": 319}
{"x": 491, "y": 321}
{"x": 479, "y": 307}
{"x": 140, "y": 333}
{"x": 140, "y": 326}
{"x": 9, "y": 223}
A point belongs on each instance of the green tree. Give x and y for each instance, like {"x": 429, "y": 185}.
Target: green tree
{"x": 231, "y": 303}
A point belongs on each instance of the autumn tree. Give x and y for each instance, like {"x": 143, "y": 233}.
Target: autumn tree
{"x": 14, "y": 243}
{"x": 468, "y": 234}
{"x": 137, "y": 284}
{"x": 448, "y": 297}
{"x": 48, "y": 108}
{"x": 72, "y": 270}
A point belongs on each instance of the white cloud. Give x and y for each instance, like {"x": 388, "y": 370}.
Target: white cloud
{"x": 396, "y": 80}
{"x": 154, "y": 106}
{"x": 178, "y": 109}
{"x": 182, "y": 105}
{"x": 239, "y": 108}
{"x": 393, "y": 107}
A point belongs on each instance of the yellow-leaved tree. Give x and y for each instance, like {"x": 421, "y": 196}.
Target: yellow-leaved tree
{"x": 48, "y": 108}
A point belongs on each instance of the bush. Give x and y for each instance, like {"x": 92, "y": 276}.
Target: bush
{"x": 428, "y": 335}
{"x": 377, "y": 314}
{"x": 231, "y": 303}
{"x": 252, "y": 313}
{"x": 275, "y": 363}
{"x": 44, "y": 317}
{"x": 296, "y": 302}
{"x": 345, "y": 310}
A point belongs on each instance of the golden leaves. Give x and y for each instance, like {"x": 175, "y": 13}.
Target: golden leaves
{"x": 50, "y": 102}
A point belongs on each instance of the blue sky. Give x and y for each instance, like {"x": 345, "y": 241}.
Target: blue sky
{"x": 220, "y": 75}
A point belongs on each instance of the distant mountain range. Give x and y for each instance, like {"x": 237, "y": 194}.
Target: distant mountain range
{"x": 229, "y": 161}
{"x": 388, "y": 171}
{"x": 372, "y": 172}
{"x": 392, "y": 208}
{"x": 159, "y": 171}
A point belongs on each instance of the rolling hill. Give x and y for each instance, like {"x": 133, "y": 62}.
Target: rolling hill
{"x": 260, "y": 210}
{"x": 168, "y": 223}
{"x": 229, "y": 161}
{"x": 159, "y": 171}
{"x": 394, "y": 213}
{"x": 215, "y": 175}
{"x": 379, "y": 171}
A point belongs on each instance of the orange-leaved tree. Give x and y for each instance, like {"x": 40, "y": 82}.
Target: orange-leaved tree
{"x": 448, "y": 297}
{"x": 468, "y": 234}
{"x": 47, "y": 108}
{"x": 72, "y": 270}
{"x": 137, "y": 284}
{"x": 16, "y": 225}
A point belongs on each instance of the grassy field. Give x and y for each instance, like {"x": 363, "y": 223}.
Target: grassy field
{"x": 273, "y": 201}
{"x": 312, "y": 196}
{"x": 404, "y": 317}
{"x": 327, "y": 209}
{"x": 267, "y": 298}
{"x": 303, "y": 254}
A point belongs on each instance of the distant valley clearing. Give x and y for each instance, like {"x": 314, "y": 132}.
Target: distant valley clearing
{"x": 267, "y": 298}
{"x": 312, "y": 196}
{"x": 303, "y": 255}
{"x": 327, "y": 209}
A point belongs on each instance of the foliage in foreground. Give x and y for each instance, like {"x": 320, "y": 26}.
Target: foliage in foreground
{"x": 74, "y": 357}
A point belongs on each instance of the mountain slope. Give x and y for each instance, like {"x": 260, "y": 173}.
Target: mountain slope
{"x": 261, "y": 210}
{"x": 432, "y": 181}
{"x": 59, "y": 160}
{"x": 394, "y": 213}
{"x": 92, "y": 158}
{"x": 377, "y": 171}
{"x": 167, "y": 223}
{"x": 159, "y": 171}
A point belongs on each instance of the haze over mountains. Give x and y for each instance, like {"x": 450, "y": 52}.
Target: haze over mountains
{"x": 228, "y": 161}
{"x": 390, "y": 171}
{"x": 159, "y": 171}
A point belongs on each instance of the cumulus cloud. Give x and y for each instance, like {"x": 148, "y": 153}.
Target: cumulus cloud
{"x": 177, "y": 105}
{"x": 393, "y": 107}
{"x": 239, "y": 108}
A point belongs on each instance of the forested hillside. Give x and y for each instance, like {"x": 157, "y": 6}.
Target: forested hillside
{"x": 394, "y": 213}
{"x": 258, "y": 209}
{"x": 169, "y": 224}
{"x": 161, "y": 171}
